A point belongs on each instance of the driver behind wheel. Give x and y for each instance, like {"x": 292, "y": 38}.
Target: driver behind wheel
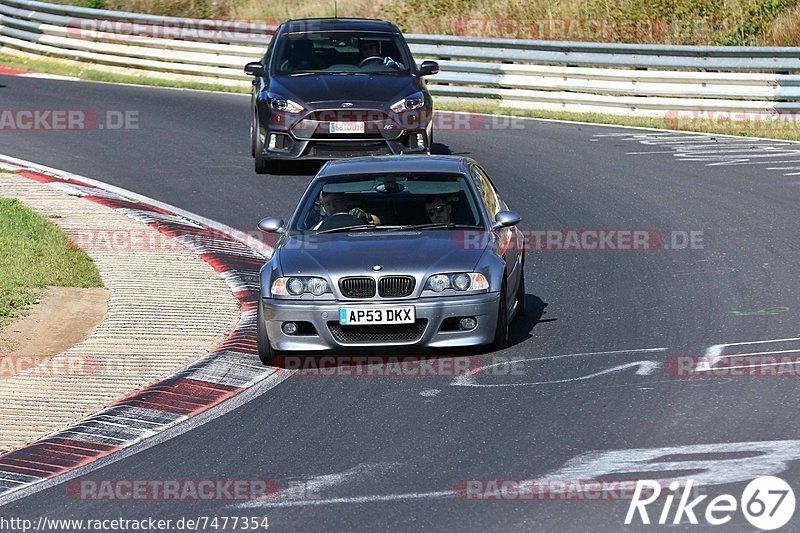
{"x": 335, "y": 203}
{"x": 371, "y": 48}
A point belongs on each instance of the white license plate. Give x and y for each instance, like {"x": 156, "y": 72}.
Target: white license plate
{"x": 353, "y": 316}
{"x": 347, "y": 127}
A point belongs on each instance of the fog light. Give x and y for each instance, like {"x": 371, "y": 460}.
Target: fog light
{"x": 467, "y": 323}
{"x": 273, "y": 140}
{"x": 290, "y": 328}
{"x": 420, "y": 140}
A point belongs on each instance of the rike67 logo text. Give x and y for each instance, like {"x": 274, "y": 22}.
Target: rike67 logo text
{"x": 766, "y": 502}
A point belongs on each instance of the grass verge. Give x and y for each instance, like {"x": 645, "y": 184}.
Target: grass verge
{"x": 35, "y": 254}
{"x": 91, "y": 73}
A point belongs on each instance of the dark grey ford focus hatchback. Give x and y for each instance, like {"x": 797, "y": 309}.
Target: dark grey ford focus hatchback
{"x": 332, "y": 88}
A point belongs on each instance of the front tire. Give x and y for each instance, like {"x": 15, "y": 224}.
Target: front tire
{"x": 268, "y": 166}
{"x": 253, "y": 129}
{"x": 265, "y": 351}
{"x": 262, "y": 166}
{"x": 501, "y": 331}
{"x": 521, "y": 290}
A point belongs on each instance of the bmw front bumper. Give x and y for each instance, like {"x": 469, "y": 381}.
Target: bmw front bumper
{"x": 432, "y": 330}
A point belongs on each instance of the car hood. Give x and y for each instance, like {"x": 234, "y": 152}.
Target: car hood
{"x": 417, "y": 253}
{"x": 338, "y": 88}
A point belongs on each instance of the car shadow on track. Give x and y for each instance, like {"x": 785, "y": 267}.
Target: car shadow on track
{"x": 522, "y": 326}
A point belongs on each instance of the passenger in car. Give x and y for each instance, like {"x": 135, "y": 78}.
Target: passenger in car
{"x": 301, "y": 56}
{"x": 438, "y": 210}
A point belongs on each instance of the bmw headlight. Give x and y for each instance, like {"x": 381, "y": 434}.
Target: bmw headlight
{"x": 439, "y": 282}
{"x": 415, "y": 101}
{"x": 460, "y": 282}
{"x": 317, "y": 286}
{"x": 282, "y": 104}
{"x": 296, "y": 286}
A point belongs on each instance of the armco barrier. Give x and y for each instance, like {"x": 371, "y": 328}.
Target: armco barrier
{"x": 647, "y": 80}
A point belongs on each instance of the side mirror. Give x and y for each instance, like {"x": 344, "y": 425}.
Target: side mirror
{"x": 254, "y": 69}
{"x": 505, "y": 219}
{"x": 271, "y": 225}
{"x": 428, "y": 68}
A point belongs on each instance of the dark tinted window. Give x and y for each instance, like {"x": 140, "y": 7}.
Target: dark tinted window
{"x": 339, "y": 52}
{"x": 395, "y": 199}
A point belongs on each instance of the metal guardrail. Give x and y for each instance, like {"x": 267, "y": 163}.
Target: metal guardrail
{"x": 572, "y": 76}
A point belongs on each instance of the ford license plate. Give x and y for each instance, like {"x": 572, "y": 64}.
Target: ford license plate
{"x": 347, "y": 127}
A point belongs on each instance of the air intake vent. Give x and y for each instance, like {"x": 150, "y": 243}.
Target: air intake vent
{"x": 357, "y": 287}
{"x": 395, "y": 286}
{"x": 385, "y": 333}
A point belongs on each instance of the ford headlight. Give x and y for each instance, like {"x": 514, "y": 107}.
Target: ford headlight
{"x": 282, "y": 104}
{"x": 415, "y": 101}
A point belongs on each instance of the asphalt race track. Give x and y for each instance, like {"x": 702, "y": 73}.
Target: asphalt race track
{"x": 384, "y": 453}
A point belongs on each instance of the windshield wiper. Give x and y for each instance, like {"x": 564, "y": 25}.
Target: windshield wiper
{"x": 361, "y": 227}
{"x": 439, "y": 226}
{"x": 358, "y": 227}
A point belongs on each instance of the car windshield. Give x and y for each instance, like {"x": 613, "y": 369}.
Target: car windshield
{"x": 338, "y": 52}
{"x": 389, "y": 201}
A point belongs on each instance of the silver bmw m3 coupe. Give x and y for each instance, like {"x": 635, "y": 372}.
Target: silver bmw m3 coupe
{"x": 395, "y": 251}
